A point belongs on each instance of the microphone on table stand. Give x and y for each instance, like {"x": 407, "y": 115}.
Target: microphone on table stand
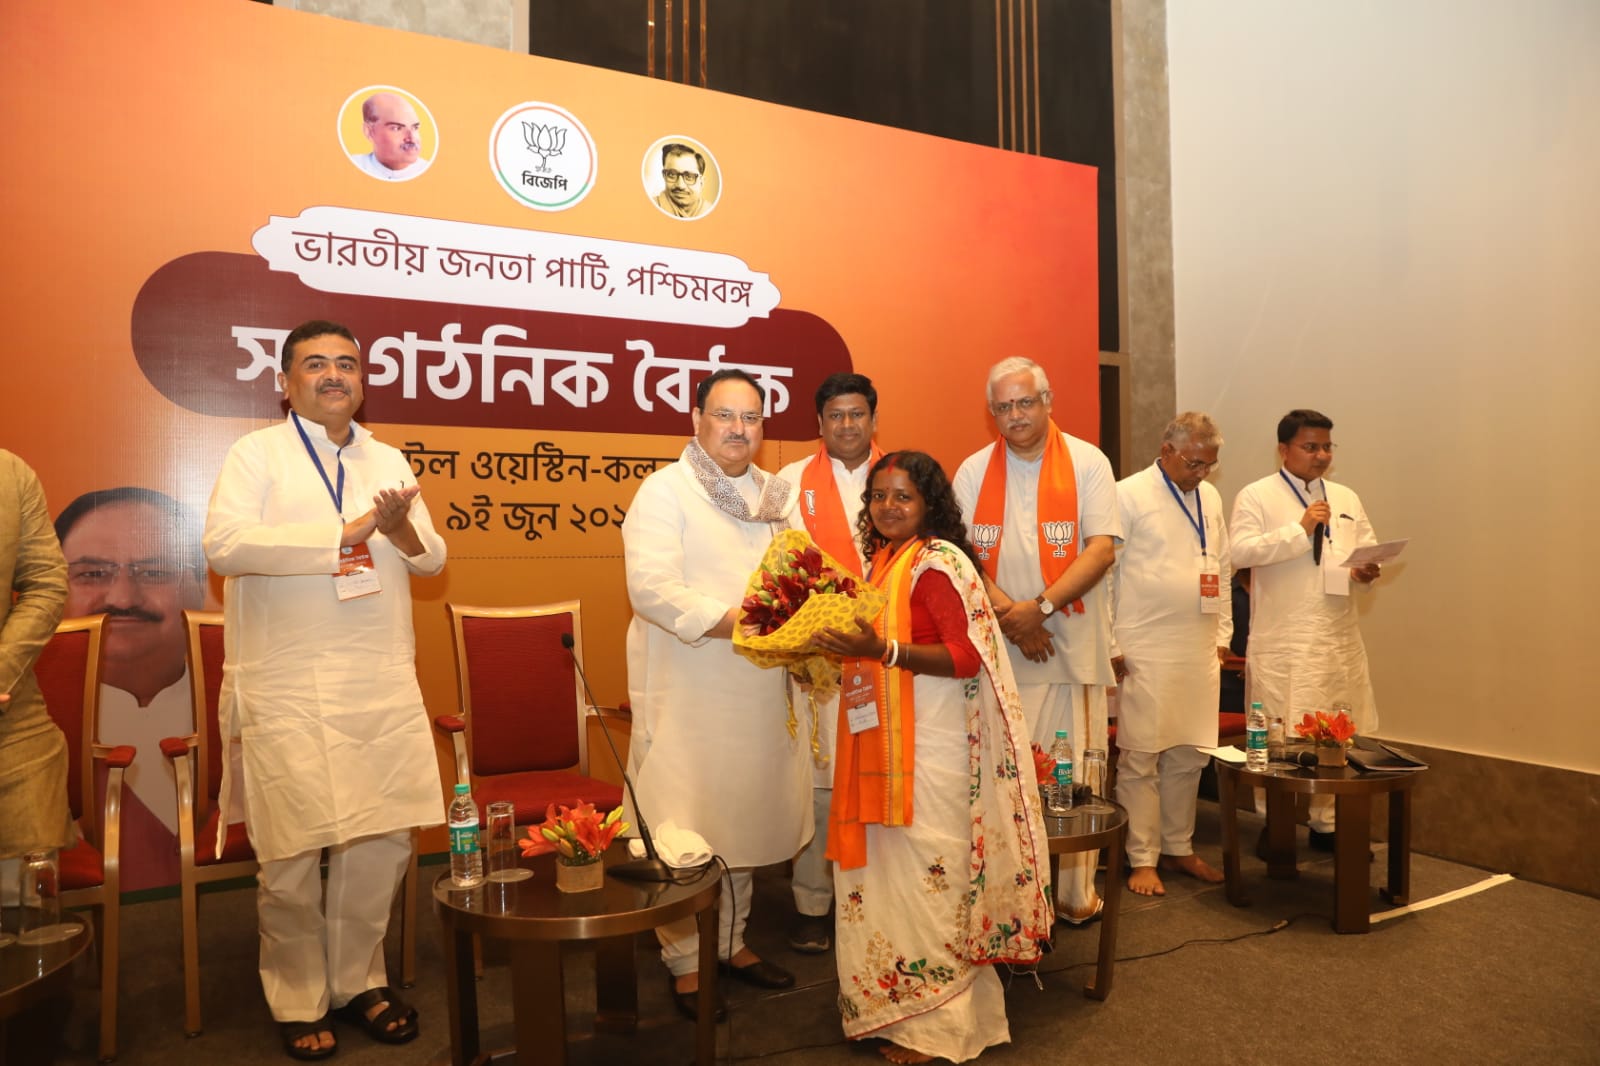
{"x": 651, "y": 867}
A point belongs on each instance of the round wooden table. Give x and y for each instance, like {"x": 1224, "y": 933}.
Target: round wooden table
{"x": 534, "y": 919}
{"x": 1352, "y": 791}
{"x": 31, "y": 975}
{"x": 1085, "y": 831}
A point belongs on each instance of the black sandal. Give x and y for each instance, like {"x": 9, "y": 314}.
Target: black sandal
{"x": 397, "y": 1014}
{"x": 292, "y": 1031}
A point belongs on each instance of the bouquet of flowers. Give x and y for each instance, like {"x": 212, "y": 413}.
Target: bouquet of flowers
{"x": 1044, "y": 765}
{"x": 797, "y": 591}
{"x": 579, "y": 835}
{"x": 1320, "y": 729}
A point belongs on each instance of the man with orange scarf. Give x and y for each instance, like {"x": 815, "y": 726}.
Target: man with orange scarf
{"x": 1041, "y": 508}
{"x": 832, "y": 482}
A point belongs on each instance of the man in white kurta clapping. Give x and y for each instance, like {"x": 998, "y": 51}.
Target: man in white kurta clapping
{"x": 1172, "y": 620}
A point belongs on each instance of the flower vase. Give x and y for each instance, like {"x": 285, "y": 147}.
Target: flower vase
{"x": 584, "y": 877}
{"x": 1330, "y": 755}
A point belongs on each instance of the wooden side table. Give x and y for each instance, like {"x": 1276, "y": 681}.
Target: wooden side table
{"x": 1352, "y": 792}
{"x": 1084, "y": 831}
{"x": 534, "y": 919}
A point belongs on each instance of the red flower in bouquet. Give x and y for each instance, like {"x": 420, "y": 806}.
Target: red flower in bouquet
{"x": 578, "y": 834}
{"x": 1322, "y": 729}
{"x": 800, "y": 574}
{"x": 1044, "y": 764}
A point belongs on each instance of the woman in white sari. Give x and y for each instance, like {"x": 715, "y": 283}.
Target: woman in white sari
{"x": 935, "y": 826}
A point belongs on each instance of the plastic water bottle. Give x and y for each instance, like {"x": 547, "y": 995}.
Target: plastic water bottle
{"x": 1058, "y": 801}
{"x": 466, "y": 859}
{"x": 1255, "y": 743}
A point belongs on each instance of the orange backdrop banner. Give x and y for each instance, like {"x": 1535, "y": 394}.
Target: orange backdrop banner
{"x": 540, "y": 261}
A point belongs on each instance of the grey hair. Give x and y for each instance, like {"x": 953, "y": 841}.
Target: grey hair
{"x": 1016, "y": 364}
{"x": 1192, "y": 427}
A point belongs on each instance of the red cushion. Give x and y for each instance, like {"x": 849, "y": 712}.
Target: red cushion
{"x": 1230, "y": 724}
{"x": 236, "y": 848}
{"x": 523, "y": 694}
{"x": 534, "y": 793}
{"x": 82, "y": 866}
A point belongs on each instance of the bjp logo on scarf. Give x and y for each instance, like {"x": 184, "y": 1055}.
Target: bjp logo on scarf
{"x": 1058, "y": 535}
{"x": 984, "y": 538}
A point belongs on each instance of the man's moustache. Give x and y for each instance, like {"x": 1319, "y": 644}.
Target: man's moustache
{"x": 138, "y": 614}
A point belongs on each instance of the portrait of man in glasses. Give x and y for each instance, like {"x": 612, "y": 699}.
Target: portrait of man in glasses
{"x": 684, "y": 182}
{"x": 134, "y": 555}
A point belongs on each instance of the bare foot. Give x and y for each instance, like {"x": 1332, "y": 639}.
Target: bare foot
{"x": 1144, "y": 881}
{"x": 689, "y": 982}
{"x": 896, "y": 1053}
{"x": 743, "y": 957}
{"x": 323, "y": 1038}
{"x": 1194, "y": 866}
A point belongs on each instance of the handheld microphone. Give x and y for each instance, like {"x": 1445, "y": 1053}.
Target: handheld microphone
{"x": 649, "y": 868}
{"x": 1316, "y": 543}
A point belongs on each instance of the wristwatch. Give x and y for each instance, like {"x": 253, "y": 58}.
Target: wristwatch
{"x": 1046, "y": 608}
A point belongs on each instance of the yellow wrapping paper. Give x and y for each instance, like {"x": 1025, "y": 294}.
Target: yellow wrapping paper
{"x": 789, "y": 646}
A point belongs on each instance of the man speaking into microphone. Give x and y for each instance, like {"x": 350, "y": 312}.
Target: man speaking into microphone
{"x": 1292, "y": 529}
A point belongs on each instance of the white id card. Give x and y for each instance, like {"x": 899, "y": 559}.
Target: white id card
{"x": 357, "y": 575}
{"x": 859, "y": 698}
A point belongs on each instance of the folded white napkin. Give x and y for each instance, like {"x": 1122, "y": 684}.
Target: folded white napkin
{"x": 675, "y": 846}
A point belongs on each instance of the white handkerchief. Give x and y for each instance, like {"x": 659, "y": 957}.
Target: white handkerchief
{"x": 675, "y": 846}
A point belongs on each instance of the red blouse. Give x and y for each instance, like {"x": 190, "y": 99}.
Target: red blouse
{"x": 939, "y": 616}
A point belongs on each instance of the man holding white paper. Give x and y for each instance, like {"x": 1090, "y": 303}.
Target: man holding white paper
{"x": 1294, "y": 529}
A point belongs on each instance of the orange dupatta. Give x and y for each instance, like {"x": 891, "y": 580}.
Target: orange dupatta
{"x": 822, "y": 510}
{"x": 872, "y": 769}
{"x": 1056, "y": 517}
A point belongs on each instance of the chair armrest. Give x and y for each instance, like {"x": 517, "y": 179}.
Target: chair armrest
{"x": 178, "y": 747}
{"x": 622, "y": 712}
{"x": 118, "y": 758}
{"x": 449, "y": 723}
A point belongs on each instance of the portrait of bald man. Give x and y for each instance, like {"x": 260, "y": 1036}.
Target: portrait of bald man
{"x": 391, "y": 123}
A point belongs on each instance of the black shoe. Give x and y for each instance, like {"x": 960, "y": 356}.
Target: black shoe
{"x": 688, "y": 1003}
{"x": 811, "y": 934}
{"x": 760, "y": 973}
{"x": 1324, "y": 842}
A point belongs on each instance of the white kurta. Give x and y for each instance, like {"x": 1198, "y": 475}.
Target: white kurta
{"x": 1305, "y": 648}
{"x": 1169, "y": 647}
{"x": 1082, "y": 641}
{"x": 711, "y": 750}
{"x": 368, "y": 162}
{"x": 323, "y": 693}
{"x": 850, "y": 484}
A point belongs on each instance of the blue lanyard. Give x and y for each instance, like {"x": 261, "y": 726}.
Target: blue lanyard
{"x": 337, "y": 494}
{"x": 1327, "y": 528}
{"x": 1199, "y": 523}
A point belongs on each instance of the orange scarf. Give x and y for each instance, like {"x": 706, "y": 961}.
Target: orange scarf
{"x": 823, "y": 511}
{"x": 872, "y": 769}
{"x": 1056, "y": 517}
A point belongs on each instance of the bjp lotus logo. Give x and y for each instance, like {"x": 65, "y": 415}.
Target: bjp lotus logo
{"x": 1058, "y": 535}
{"x": 546, "y": 142}
{"x": 984, "y": 538}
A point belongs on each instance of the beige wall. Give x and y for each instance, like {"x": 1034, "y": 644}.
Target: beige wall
{"x": 1389, "y": 210}
{"x": 497, "y": 23}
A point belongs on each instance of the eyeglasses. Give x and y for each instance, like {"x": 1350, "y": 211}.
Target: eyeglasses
{"x": 1025, "y": 405}
{"x": 673, "y": 177}
{"x": 1311, "y": 448}
{"x": 101, "y": 575}
{"x": 1198, "y": 464}
{"x": 726, "y": 417}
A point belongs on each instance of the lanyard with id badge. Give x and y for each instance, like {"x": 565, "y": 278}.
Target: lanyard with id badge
{"x": 357, "y": 575}
{"x": 858, "y": 694}
{"x": 1210, "y": 571}
{"x": 1335, "y": 579}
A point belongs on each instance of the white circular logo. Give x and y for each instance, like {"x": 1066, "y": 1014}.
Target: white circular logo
{"x": 543, "y": 156}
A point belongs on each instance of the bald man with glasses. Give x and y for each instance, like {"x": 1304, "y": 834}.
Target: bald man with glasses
{"x": 1292, "y": 529}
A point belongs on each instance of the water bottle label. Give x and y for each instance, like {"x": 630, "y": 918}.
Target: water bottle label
{"x": 464, "y": 839}
{"x": 1064, "y": 774}
{"x": 1255, "y": 739}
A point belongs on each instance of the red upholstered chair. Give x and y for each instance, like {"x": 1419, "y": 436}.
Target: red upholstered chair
{"x": 197, "y": 762}
{"x": 522, "y": 734}
{"x": 68, "y": 670}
